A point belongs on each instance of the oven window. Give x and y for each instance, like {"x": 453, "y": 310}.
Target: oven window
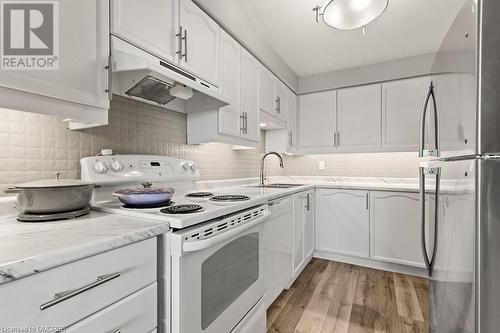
{"x": 226, "y": 274}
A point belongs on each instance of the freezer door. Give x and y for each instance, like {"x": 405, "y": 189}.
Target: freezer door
{"x": 489, "y": 78}
{"x": 488, "y": 249}
{"x": 451, "y": 287}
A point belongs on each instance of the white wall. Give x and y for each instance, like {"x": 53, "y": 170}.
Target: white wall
{"x": 235, "y": 22}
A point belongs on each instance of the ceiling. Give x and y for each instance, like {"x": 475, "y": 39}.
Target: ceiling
{"x": 407, "y": 28}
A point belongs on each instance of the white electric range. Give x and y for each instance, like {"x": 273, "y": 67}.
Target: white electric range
{"x": 212, "y": 262}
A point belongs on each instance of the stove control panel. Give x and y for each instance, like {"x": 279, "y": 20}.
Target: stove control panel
{"x": 137, "y": 168}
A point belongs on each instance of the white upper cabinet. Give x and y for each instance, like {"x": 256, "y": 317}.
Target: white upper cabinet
{"x": 456, "y": 110}
{"x": 467, "y": 110}
{"x": 266, "y": 84}
{"x": 402, "y": 104}
{"x": 250, "y": 96}
{"x": 148, "y": 24}
{"x": 292, "y": 114}
{"x": 174, "y": 30}
{"x": 77, "y": 90}
{"x": 317, "y": 121}
{"x": 280, "y": 99}
{"x": 199, "y": 43}
{"x": 447, "y": 92}
{"x": 359, "y": 118}
{"x": 342, "y": 223}
{"x": 230, "y": 85}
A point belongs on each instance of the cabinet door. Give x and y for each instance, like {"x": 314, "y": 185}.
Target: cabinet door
{"x": 359, "y": 118}
{"x": 343, "y": 222}
{"x": 81, "y": 77}
{"x": 317, "y": 120}
{"x": 402, "y": 103}
{"x": 468, "y": 110}
{"x": 299, "y": 208}
{"x": 116, "y": 317}
{"x": 396, "y": 227}
{"x": 149, "y": 24}
{"x": 266, "y": 83}
{"x": 447, "y": 91}
{"x": 280, "y": 99}
{"x": 230, "y": 85}
{"x": 309, "y": 226}
{"x": 201, "y": 45}
{"x": 291, "y": 121}
{"x": 278, "y": 256}
{"x": 456, "y": 247}
{"x": 250, "y": 95}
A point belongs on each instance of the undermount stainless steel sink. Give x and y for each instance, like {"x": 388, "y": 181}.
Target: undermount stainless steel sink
{"x": 279, "y": 185}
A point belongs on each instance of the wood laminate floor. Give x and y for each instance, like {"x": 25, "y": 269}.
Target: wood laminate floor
{"x": 332, "y": 297}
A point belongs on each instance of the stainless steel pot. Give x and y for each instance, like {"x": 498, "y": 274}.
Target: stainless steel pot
{"x": 53, "y": 196}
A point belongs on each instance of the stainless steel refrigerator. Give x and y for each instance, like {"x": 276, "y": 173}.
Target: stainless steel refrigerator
{"x": 460, "y": 174}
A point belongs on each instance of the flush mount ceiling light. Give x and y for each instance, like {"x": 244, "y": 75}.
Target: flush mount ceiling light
{"x": 350, "y": 14}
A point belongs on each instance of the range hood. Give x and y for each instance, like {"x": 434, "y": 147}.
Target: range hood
{"x": 143, "y": 76}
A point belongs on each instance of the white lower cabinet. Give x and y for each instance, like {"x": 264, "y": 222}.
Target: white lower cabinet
{"x": 135, "y": 313}
{"x": 342, "y": 224}
{"x": 303, "y": 230}
{"x": 456, "y": 244}
{"x": 395, "y": 232}
{"x": 65, "y": 295}
{"x": 278, "y": 248}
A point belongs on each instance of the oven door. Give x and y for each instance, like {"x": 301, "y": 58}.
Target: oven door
{"x": 214, "y": 285}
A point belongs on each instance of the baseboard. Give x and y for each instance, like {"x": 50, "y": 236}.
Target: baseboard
{"x": 383, "y": 266}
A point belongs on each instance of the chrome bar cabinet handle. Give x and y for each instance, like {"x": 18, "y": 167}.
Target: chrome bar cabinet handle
{"x": 242, "y": 123}
{"x": 110, "y": 78}
{"x": 179, "y": 43}
{"x": 65, "y": 295}
{"x": 185, "y": 38}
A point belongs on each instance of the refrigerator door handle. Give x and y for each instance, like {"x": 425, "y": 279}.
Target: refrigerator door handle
{"x": 422, "y": 152}
{"x": 429, "y": 262}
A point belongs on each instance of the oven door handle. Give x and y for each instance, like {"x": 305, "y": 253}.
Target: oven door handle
{"x": 198, "y": 245}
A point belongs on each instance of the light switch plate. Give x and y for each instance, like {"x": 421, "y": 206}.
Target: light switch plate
{"x": 321, "y": 165}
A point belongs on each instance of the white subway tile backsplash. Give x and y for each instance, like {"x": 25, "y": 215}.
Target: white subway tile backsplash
{"x": 35, "y": 146}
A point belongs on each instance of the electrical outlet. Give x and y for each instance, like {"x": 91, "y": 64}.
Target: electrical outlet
{"x": 321, "y": 165}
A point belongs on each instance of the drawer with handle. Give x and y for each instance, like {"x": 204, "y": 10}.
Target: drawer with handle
{"x": 133, "y": 314}
{"x": 64, "y": 295}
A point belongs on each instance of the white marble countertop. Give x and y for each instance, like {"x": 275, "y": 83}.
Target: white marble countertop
{"x": 29, "y": 248}
{"x": 247, "y": 185}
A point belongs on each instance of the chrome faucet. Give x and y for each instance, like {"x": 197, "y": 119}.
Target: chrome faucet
{"x": 262, "y": 163}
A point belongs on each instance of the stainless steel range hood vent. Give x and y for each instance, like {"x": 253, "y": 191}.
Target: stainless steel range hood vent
{"x": 144, "y": 76}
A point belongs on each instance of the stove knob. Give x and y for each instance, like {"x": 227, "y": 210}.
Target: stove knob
{"x": 100, "y": 167}
{"x": 192, "y": 166}
{"x": 185, "y": 166}
{"x": 116, "y": 166}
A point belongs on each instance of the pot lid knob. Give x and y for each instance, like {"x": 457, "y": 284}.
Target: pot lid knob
{"x": 147, "y": 184}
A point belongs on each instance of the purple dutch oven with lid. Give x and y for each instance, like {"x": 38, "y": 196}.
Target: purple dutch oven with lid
{"x": 145, "y": 196}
